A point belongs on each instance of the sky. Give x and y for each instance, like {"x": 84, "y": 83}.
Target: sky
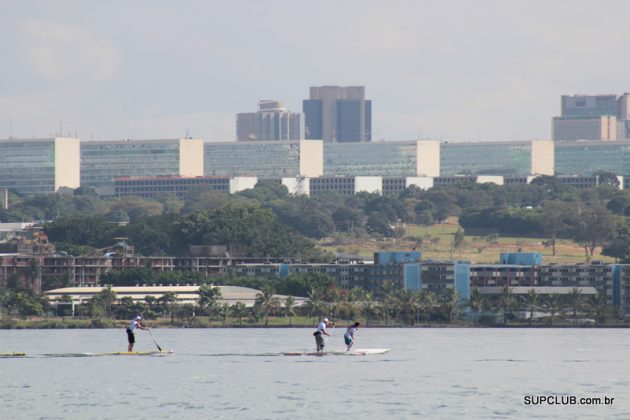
{"x": 447, "y": 70}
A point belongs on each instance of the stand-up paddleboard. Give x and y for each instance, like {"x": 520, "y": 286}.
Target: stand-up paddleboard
{"x": 137, "y": 353}
{"x": 353, "y": 352}
{"x": 14, "y": 354}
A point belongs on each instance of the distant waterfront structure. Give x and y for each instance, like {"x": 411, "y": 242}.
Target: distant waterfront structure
{"x": 39, "y": 166}
{"x": 103, "y": 161}
{"x": 593, "y": 117}
{"x": 338, "y": 114}
{"x": 271, "y": 122}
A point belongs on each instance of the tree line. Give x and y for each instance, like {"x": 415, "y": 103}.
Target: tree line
{"x": 267, "y": 221}
{"x": 389, "y": 305}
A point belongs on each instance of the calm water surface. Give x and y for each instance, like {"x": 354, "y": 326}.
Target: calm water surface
{"x": 239, "y": 374}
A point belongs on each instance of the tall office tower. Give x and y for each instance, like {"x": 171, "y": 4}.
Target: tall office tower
{"x": 623, "y": 117}
{"x": 587, "y": 117}
{"x": 271, "y": 122}
{"x": 577, "y": 106}
{"x": 338, "y": 114}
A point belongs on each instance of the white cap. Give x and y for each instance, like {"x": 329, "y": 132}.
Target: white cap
{"x": 326, "y": 320}
{"x": 138, "y": 317}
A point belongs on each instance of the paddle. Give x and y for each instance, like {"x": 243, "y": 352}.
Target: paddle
{"x": 155, "y": 342}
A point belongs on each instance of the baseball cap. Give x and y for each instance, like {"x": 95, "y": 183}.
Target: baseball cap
{"x": 138, "y": 317}
{"x": 326, "y": 320}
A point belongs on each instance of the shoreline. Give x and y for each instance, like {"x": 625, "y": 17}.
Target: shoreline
{"x": 60, "y": 323}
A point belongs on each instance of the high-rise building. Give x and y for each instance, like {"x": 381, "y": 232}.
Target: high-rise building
{"x": 338, "y": 114}
{"x": 271, "y": 122}
{"x": 593, "y": 117}
{"x": 577, "y": 106}
{"x": 104, "y": 161}
{"x": 39, "y": 166}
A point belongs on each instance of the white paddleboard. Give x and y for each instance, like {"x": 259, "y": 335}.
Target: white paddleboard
{"x": 353, "y": 352}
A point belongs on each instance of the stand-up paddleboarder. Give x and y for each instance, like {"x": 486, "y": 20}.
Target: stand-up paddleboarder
{"x": 320, "y": 333}
{"x": 135, "y": 323}
{"x": 348, "y": 337}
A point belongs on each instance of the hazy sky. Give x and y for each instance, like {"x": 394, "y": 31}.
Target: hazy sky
{"x": 453, "y": 70}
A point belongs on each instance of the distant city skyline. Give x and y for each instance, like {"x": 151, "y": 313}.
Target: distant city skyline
{"x": 453, "y": 71}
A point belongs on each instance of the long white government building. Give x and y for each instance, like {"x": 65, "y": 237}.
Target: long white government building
{"x": 148, "y": 167}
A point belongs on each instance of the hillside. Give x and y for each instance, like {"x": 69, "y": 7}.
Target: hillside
{"x": 435, "y": 242}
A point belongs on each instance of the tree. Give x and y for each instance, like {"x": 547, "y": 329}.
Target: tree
{"x": 289, "y": 307}
{"x": 459, "y": 239}
{"x": 505, "y": 302}
{"x": 600, "y": 308}
{"x": 239, "y": 310}
{"x": 378, "y": 223}
{"x": 619, "y": 245}
{"x": 208, "y": 298}
{"x": 607, "y": 178}
{"x": 476, "y": 301}
{"x": 223, "y": 310}
{"x": 554, "y": 306}
{"x": 315, "y": 303}
{"x": 556, "y": 220}
{"x": 105, "y": 298}
{"x": 575, "y": 302}
{"x": 532, "y": 302}
{"x": 368, "y": 306}
{"x": 407, "y": 303}
{"x": 168, "y": 301}
{"x": 386, "y": 296}
{"x": 594, "y": 227}
{"x": 267, "y": 303}
{"x": 450, "y": 301}
{"x": 428, "y": 302}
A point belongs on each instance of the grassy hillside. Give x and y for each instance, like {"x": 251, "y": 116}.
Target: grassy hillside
{"x": 436, "y": 242}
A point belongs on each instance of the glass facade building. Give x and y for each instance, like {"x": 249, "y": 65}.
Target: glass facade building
{"x": 264, "y": 159}
{"x": 377, "y": 159}
{"x": 28, "y": 167}
{"x": 489, "y": 158}
{"x": 589, "y": 157}
{"x": 39, "y": 166}
{"x": 104, "y": 161}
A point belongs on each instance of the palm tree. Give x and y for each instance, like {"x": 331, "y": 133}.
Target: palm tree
{"x": 407, "y": 305}
{"x": 386, "y": 297}
{"x": 355, "y": 296}
{"x": 554, "y": 306}
{"x": 106, "y": 298}
{"x": 168, "y": 301}
{"x": 532, "y": 302}
{"x": 575, "y": 301}
{"x": 239, "y": 310}
{"x": 315, "y": 302}
{"x": 223, "y": 310}
{"x": 338, "y": 298}
{"x": 427, "y": 303}
{"x": 289, "y": 307}
{"x": 450, "y": 300}
{"x": 506, "y": 301}
{"x": 368, "y": 306}
{"x": 477, "y": 302}
{"x": 600, "y": 308}
{"x": 267, "y": 302}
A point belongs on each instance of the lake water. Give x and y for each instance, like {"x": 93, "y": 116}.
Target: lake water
{"x": 239, "y": 374}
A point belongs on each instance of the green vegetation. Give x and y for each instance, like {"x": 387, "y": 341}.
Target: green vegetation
{"x": 389, "y": 306}
{"x": 267, "y": 221}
